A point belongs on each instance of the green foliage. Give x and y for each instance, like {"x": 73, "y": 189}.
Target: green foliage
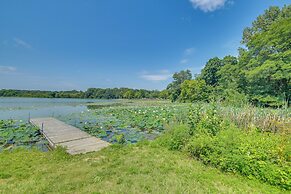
{"x": 174, "y": 88}
{"x": 19, "y": 134}
{"x": 99, "y": 93}
{"x": 41, "y": 94}
{"x": 211, "y": 121}
{"x": 194, "y": 117}
{"x": 268, "y": 101}
{"x": 234, "y": 98}
{"x": 253, "y": 154}
{"x": 120, "y": 139}
{"x": 210, "y": 72}
{"x": 213, "y": 137}
{"x": 180, "y": 77}
{"x": 204, "y": 121}
{"x": 176, "y": 138}
{"x": 145, "y": 118}
{"x": 266, "y": 61}
{"x": 164, "y": 94}
{"x": 228, "y": 74}
{"x": 194, "y": 90}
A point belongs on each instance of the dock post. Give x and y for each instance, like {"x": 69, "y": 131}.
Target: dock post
{"x": 29, "y": 117}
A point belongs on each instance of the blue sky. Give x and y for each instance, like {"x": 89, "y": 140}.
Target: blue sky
{"x": 70, "y": 44}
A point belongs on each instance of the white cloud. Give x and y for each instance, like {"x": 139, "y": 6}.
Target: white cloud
{"x": 184, "y": 61}
{"x": 160, "y": 76}
{"x": 21, "y": 43}
{"x": 7, "y": 69}
{"x": 208, "y": 5}
{"x": 186, "y": 55}
{"x": 189, "y": 51}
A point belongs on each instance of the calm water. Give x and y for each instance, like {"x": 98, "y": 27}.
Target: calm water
{"x": 22, "y": 108}
{"x": 71, "y": 111}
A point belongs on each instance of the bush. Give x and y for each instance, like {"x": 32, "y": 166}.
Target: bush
{"x": 268, "y": 101}
{"x": 205, "y": 120}
{"x": 175, "y": 138}
{"x": 253, "y": 154}
{"x": 234, "y": 98}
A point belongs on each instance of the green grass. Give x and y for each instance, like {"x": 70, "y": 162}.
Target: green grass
{"x": 140, "y": 168}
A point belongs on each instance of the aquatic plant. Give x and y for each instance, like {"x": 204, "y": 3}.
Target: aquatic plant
{"x": 20, "y": 134}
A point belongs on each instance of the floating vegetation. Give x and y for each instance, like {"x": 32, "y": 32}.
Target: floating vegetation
{"x": 20, "y": 134}
{"x": 104, "y": 105}
{"x": 127, "y": 124}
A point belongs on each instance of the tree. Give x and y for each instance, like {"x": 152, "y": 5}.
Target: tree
{"x": 261, "y": 24}
{"x": 129, "y": 94}
{"x": 194, "y": 90}
{"x": 228, "y": 74}
{"x": 209, "y": 72}
{"x": 174, "y": 88}
{"x": 266, "y": 61}
{"x": 164, "y": 94}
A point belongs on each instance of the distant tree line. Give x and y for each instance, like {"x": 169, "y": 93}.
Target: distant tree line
{"x": 261, "y": 74}
{"x": 99, "y": 93}
{"x": 118, "y": 93}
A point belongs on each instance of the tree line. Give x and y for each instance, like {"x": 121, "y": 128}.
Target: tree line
{"x": 261, "y": 74}
{"x": 98, "y": 93}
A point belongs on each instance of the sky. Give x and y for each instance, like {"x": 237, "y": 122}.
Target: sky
{"x": 78, "y": 44}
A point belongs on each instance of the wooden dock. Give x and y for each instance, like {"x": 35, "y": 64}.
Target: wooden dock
{"x": 73, "y": 139}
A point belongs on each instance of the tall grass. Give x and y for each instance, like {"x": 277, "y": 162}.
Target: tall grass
{"x": 248, "y": 117}
{"x": 264, "y": 119}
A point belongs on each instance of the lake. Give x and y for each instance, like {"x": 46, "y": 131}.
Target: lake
{"x": 23, "y": 108}
{"x": 98, "y": 122}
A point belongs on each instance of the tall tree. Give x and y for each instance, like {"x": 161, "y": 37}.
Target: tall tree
{"x": 194, "y": 90}
{"x": 210, "y": 72}
{"x": 266, "y": 61}
{"x": 228, "y": 73}
{"x": 174, "y": 88}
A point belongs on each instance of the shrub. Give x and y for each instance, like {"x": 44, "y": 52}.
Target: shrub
{"x": 175, "y": 138}
{"x": 253, "y": 154}
{"x": 205, "y": 120}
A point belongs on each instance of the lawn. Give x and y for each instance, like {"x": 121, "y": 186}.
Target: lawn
{"x": 139, "y": 168}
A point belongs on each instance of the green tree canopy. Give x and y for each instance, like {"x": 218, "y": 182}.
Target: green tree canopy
{"x": 266, "y": 61}
{"x": 210, "y": 72}
{"x": 174, "y": 88}
{"x": 194, "y": 90}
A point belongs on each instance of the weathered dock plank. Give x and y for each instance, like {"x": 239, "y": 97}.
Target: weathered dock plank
{"x": 73, "y": 139}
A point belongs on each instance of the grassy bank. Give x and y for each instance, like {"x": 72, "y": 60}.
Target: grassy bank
{"x": 141, "y": 168}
